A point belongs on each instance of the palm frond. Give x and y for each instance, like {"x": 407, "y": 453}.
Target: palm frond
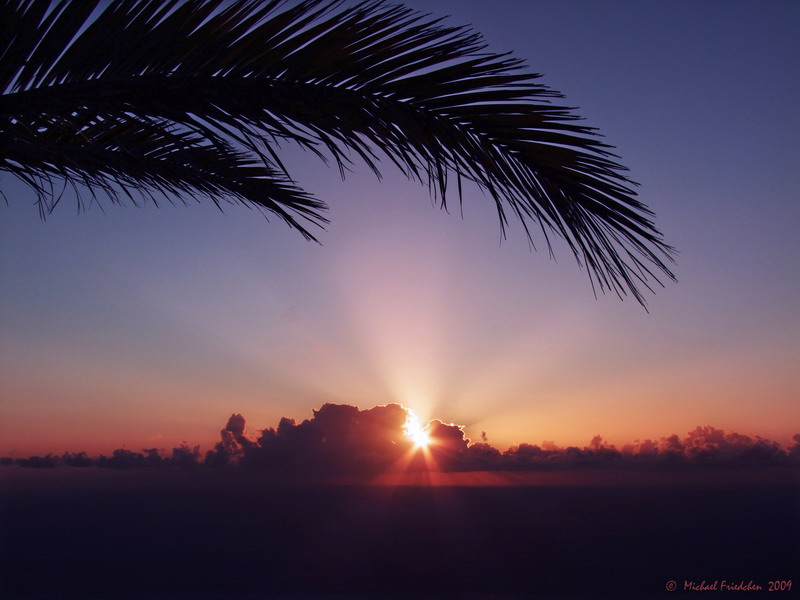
{"x": 189, "y": 98}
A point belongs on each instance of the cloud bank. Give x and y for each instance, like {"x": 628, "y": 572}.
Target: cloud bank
{"x": 340, "y": 438}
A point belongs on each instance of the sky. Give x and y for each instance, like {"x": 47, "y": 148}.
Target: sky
{"x": 144, "y": 327}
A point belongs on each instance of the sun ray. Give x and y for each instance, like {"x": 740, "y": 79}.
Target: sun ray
{"x": 414, "y": 430}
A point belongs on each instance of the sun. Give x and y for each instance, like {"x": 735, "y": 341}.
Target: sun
{"x": 414, "y": 431}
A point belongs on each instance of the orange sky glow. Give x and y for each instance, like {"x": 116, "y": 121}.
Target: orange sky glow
{"x": 145, "y": 327}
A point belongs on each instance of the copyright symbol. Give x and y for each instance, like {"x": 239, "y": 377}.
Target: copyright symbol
{"x": 671, "y": 585}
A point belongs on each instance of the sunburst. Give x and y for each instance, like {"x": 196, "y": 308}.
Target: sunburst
{"x": 415, "y": 432}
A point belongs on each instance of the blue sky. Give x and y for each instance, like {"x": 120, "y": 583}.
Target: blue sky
{"x": 145, "y": 327}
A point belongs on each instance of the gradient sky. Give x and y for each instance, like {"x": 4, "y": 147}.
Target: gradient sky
{"x": 146, "y": 327}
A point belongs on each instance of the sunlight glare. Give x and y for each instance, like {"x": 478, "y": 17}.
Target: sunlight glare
{"x": 414, "y": 430}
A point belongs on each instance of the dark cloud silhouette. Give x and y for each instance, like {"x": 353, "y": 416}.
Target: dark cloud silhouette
{"x": 230, "y": 447}
{"x": 448, "y": 445}
{"x": 344, "y": 438}
{"x": 794, "y": 449}
{"x": 705, "y": 443}
{"x": 340, "y": 438}
{"x": 702, "y": 445}
{"x": 39, "y": 462}
{"x": 184, "y": 456}
{"x": 79, "y": 459}
{"x": 123, "y": 459}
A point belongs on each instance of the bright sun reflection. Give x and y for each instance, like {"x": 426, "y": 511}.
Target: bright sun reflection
{"x": 414, "y": 431}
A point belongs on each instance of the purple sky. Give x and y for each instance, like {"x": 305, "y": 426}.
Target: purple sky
{"x": 145, "y": 327}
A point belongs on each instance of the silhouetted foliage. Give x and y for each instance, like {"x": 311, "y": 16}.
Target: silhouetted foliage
{"x": 141, "y": 99}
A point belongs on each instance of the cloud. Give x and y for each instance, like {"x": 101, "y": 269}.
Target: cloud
{"x": 337, "y": 437}
{"x": 79, "y": 459}
{"x": 182, "y": 457}
{"x": 236, "y": 426}
{"x": 448, "y": 445}
{"x": 340, "y": 438}
{"x": 38, "y": 462}
{"x": 703, "y": 445}
{"x": 794, "y": 449}
{"x": 231, "y": 446}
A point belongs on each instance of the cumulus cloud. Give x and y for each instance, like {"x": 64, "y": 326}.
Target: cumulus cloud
{"x": 343, "y": 438}
{"x": 338, "y": 437}
{"x": 448, "y": 445}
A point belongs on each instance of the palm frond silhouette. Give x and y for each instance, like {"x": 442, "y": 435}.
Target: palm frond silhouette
{"x": 189, "y": 99}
